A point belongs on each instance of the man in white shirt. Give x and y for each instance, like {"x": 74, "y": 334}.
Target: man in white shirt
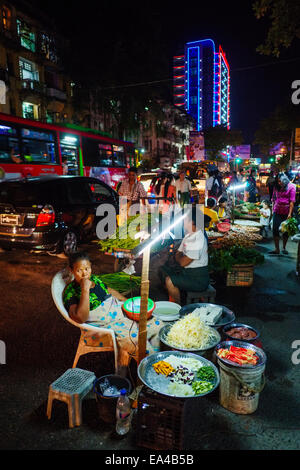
{"x": 190, "y": 270}
{"x": 183, "y": 189}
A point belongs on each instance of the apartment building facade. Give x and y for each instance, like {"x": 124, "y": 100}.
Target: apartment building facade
{"x": 165, "y": 139}
{"x": 36, "y": 84}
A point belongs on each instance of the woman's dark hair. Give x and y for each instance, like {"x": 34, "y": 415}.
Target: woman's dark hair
{"x": 222, "y": 199}
{"x": 281, "y": 177}
{"x": 211, "y": 202}
{"x": 160, "y": 180}
{"x": 133, "y": 169}
{"x": 78, "y": 256}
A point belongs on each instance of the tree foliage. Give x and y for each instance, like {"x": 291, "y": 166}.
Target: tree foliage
{"x": 218, "y": 138}
{"x": 284, "y": 17}
{"x": 277, "y": 127}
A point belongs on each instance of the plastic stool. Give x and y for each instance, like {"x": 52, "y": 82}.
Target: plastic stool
{"x": 71, "y": 388}
{"x": 207, "y": 296}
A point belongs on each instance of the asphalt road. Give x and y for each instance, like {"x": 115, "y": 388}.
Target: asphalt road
{"x": 40, "y": 346}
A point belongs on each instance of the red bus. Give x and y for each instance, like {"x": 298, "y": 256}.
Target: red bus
{"x": 32, "y": 148}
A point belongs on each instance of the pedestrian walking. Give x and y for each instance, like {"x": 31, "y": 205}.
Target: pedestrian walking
{"x": 284, "y": 198}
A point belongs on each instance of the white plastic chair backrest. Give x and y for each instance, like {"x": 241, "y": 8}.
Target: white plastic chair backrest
{"x": 57, "y": 287}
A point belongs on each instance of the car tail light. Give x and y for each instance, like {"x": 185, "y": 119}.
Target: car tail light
{"x": 46, "y": 217}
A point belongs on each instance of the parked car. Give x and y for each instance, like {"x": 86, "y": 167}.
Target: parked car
{"x": 51, "y": 213}
{"x": 146, "y": 178}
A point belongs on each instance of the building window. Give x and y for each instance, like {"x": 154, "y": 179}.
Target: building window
{"x": 47, "y": 46}
{"x": 27, "y": 36}
{"x": 28, "y": 70}
{"x": 6, "y": 18}
{"x": 29, "y": 110}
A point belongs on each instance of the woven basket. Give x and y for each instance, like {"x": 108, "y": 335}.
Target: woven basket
{"x": 241, "y": 275}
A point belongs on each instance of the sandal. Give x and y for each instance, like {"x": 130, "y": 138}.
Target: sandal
{"x": 274, "y": 253}
{"x": 285, "y": 252}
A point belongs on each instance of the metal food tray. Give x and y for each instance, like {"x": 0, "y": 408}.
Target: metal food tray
{"x": 226, "y": 318}
{"x": 159, "y": 382}
{"x": 163, "y": 333}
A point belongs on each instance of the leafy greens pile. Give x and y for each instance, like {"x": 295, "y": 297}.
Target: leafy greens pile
{"x": 224, "y": 259}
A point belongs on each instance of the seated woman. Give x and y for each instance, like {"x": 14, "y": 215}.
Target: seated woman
{"x": 222, "y": 209}
{"x": 209, "y": 210}
{"x": 190, "y": 270}
{"x": 88, "y": 300}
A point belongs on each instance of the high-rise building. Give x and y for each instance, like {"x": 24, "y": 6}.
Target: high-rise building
{"x": 202, "y": 83}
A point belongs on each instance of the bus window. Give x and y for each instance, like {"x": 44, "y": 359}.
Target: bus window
{"x": 9, "y": 145}
{"x": 96, "y": 154}
{"x": 119, "y": 156}
{"x": 38, "y": 147}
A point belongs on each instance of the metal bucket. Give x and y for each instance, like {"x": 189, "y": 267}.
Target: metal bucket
{"x": 240, "y": 387}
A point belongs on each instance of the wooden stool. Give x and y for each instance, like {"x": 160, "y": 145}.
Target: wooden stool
{"x": 207, "y": 296}
{"x": 71, "y": 388}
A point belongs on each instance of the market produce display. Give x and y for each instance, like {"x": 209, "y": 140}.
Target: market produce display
{"x": 191, "y": 332}
{"x": 241, "y": 237}
{"x": 121, "y": 281}
{"x": 247, "y": 209}
{"x": 225, "y": 258}
{"x": 186, "y": 377}
{"x": 241, "y": 356}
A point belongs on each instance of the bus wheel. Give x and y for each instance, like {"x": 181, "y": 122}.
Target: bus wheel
{"x": 69, "y": 243}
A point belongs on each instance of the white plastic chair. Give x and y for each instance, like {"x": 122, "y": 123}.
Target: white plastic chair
{"x": 57, "y": 287}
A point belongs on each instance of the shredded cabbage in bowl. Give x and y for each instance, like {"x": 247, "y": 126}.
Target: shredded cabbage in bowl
{"x": 191, "y": 333}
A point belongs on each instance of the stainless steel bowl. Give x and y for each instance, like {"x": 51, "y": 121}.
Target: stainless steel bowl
{"x": 262, "y": 358}
{"x": 240, "y": 325}
{"x": 163, "y": 333}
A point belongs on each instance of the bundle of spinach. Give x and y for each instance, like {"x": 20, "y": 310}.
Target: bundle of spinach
{"x": 224, "y": 259}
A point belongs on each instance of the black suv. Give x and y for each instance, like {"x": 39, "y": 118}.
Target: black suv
{"x": 52, "y": 213}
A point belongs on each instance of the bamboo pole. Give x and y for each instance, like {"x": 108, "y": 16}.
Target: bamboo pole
{"x": 142, "y": 338}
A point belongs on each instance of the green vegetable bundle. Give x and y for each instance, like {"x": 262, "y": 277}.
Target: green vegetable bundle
{"x": 224, "y": 259}
{"x": 121, "y": 282}
{"x": 121, "y": 239}
{"x": 290, "y": 226}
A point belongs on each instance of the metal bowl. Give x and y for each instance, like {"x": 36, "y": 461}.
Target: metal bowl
{"x": 240, "y": 325}
{"x": 160, "y": 383}
{"x": 226, "y": 318}
{"x": 163, "y": 333}
{"x": 262, "y": 358}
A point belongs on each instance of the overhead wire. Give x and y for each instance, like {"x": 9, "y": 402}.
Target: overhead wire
{"x": 154, "y": 82}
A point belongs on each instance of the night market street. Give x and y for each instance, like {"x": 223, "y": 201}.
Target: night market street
{"x": 41, "y": 346}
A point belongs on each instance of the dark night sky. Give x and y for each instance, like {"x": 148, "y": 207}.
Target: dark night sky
{"x": 95, "y": 28}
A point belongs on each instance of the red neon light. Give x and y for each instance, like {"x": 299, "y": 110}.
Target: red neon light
{"x": 178, "y": 56}
{"x": 224, "y": 57}
{"x": 181, "y": 94}
{"x": 178, "y": 76}
{"x": 178, "y": 67}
